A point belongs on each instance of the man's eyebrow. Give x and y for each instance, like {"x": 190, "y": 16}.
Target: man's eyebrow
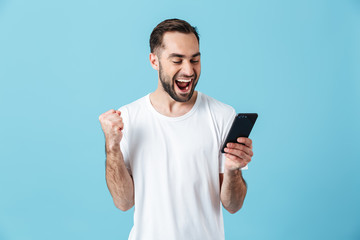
{"x": 182, "y": 56}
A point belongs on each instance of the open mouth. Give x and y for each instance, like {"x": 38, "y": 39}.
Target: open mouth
{"x": 183, "y": 84}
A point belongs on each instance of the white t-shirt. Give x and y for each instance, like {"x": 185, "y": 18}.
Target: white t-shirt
{"x": 175, "y": 163}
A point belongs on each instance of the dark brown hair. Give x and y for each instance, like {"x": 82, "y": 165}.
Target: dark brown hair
{"x": 169, "y": 25}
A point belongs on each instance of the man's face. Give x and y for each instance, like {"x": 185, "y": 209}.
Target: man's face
{"x": 179, "y": 65}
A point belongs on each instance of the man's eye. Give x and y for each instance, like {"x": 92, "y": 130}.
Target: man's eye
{"x": 177, "y": 62}
{"x": 194, "y": 61}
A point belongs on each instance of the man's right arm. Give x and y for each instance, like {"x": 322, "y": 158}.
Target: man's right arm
{"x": 118, "y": 179}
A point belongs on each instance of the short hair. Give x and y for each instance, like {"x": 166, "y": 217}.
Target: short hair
{"x": 169, "y": 25}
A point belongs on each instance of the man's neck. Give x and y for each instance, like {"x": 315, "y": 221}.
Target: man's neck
{"x": 164, "y": 104}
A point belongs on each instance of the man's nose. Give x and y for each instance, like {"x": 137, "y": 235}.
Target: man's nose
{"x": 188, "y": 69}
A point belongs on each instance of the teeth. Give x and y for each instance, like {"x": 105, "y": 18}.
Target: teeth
{"x": 183, "y": 80}
{"x": 187, "y": 88}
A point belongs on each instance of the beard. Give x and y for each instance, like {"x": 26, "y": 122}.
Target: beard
{"x": 168, "y": 85}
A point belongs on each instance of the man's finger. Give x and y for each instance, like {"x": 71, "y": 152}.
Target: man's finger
{"x": 246, "y": 141}
{"x": 241, "y": 147}
{"x": 121, "y": 126}
{"x": 238, "y": 153}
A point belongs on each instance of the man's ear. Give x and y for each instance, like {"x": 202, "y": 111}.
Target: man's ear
{"x": 154, "y": 61}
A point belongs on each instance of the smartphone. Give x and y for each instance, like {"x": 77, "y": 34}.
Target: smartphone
{"x": 241, "y": 127}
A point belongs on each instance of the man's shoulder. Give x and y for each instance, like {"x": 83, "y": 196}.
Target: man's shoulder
{"x": 217, "y": 106}
{"x": 139, "y": 103}
{"x": 134, "y": 110}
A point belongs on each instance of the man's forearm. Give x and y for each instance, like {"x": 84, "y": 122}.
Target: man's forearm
{"x": 233, "y": 190}
{"x": 118, "y": 179}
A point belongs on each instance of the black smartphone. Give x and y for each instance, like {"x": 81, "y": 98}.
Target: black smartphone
{"x": 241, "y": 127}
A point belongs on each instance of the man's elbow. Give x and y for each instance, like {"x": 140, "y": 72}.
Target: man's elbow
{"x": 123, "y": 207}
{"x": 233, "y": 211}
{"x": 232, "y": 207}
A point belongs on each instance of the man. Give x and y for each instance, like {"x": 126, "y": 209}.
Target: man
{"x": 163, "y": 150}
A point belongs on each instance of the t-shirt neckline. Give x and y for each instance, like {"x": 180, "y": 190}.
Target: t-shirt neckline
{"x": 186, "y": 115}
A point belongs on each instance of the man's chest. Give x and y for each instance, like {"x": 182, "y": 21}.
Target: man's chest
{"x": 179, "y": 148}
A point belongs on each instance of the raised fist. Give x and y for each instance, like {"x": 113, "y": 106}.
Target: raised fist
{"x": 112, "y": 125}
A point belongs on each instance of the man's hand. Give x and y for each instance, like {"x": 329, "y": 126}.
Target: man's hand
{"x": 112, "y": 125}
{"x": 239, "y": 154}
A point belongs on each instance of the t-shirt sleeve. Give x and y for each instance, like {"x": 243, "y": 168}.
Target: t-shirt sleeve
{"x": 124, "y": 141}
{"x": 224, "y": 131}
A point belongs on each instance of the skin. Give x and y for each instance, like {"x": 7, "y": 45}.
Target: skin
{"x": 170, "y": 67}
{"x": 178, "y": 58}
{"x": 118, "y": 179}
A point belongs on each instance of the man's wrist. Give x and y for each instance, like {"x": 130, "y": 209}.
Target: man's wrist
{"x": 233, "y": 172}
{"x": 112, "y": 148}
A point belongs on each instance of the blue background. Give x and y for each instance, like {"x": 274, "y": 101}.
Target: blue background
{"x": 296, "y": 63}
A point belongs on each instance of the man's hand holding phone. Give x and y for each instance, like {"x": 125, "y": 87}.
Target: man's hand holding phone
{"x": 239, "y": 154}
{"x": 238, "y": 146}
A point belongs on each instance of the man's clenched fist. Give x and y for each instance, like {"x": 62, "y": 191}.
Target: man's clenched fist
{"x": 112, "y": 125}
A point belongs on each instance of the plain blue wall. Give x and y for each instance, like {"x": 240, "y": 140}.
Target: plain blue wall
{"x": 296, "y": 63}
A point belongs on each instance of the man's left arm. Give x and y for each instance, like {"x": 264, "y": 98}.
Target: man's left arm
{"x": 232, "y": 185}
